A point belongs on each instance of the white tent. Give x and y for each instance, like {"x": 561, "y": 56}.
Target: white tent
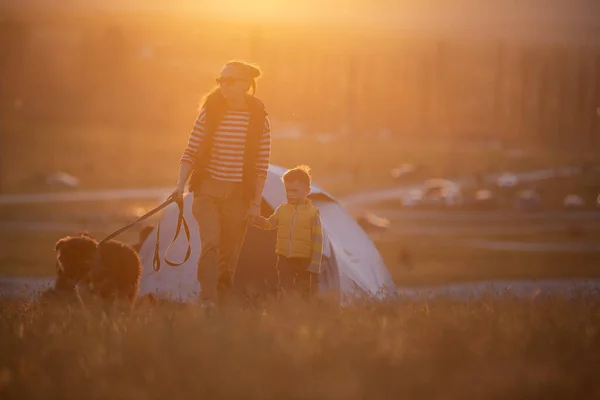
{"x": 351, "y": 263}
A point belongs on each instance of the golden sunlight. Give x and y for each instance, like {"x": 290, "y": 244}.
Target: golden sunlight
{"x": 306, "y": 12}
{"x": 256, "y": 10}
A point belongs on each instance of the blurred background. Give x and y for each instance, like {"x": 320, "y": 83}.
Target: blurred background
{"x": 523, "y": 73}
{"x": 371, "y": 94}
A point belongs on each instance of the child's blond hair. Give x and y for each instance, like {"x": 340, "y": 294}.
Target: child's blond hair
{"x": 300, "y": 173}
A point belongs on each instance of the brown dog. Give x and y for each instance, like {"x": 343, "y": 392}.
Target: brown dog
{"x": 110, "y": 270}
{"x": 72, "y": 267}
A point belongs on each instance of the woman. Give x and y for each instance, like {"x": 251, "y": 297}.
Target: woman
{"x": 227, "y": 157}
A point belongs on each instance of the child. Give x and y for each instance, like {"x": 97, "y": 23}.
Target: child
{"x": 299, "y": 235}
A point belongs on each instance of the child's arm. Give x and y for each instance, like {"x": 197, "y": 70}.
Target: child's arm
{"x": 268, "y": 223}
{"x": 317, "y": 245}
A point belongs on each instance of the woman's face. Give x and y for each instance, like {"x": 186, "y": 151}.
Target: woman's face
{"x": 233, "y": 82}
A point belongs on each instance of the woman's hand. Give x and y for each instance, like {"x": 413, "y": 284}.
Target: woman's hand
{"x": 253, "y": 213}
{"x": 185, "y": 169}
{"x": 178, "y": 192}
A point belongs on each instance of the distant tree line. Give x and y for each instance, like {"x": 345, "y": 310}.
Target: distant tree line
{"x": 111, "y": 74}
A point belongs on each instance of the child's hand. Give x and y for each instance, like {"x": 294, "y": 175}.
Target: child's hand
{"x": 262, "y": 223}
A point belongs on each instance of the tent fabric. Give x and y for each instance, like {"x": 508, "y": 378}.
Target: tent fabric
{"x": 352, "y": 264}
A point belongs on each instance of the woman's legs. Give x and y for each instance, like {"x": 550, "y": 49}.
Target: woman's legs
{"x": 233, "y": 233}
{"x": 219, "y": 209}
{"x": 206, "y": 212}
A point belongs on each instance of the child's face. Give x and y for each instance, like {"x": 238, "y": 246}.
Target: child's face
{"x": 296, "y": 191}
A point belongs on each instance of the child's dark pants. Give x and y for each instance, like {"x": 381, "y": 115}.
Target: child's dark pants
{"x": 294, "y": 276}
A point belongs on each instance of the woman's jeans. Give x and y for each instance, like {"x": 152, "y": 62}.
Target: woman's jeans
{"x": 220, "y": 210}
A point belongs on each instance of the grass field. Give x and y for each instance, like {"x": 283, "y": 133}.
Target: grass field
{"x": 440, "y": 249}
{"x": 440, "y": 349}
{"x": 443, "y": 261}
{"x": 494, "y": 349}
{"x": 435, "y": 259}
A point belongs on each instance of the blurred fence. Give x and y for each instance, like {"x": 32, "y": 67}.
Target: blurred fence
{"x": 520, "y": 92}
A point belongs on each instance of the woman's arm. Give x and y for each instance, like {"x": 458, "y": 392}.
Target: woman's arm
{"x": 262, "y": 162}
{"x": 260, "y": 186}
{"x": 185, "y": 170}
{"x": 188, "y": 159}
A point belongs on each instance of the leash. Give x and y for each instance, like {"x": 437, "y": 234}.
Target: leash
{"x": 181, "y": 221}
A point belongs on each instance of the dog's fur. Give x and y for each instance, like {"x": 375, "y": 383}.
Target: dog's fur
{"x": 72, "y": 267}
{"x": 110, "y": 271}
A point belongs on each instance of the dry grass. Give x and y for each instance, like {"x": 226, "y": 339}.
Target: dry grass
{"x": 443, "y": 349}
{"x": 444, "y": 260}
{"x": 450, "y": 257}
{"x": 437, "y": 259}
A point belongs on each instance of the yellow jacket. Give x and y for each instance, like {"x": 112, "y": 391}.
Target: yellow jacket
{"x": 299, "y": 232}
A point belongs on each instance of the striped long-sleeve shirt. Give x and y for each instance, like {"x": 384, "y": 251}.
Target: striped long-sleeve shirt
{"x": 226, "y": 160}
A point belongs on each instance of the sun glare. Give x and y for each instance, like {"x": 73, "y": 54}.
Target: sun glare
{"x": 305, "y": 12}
{"x": 259, "y": 9}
